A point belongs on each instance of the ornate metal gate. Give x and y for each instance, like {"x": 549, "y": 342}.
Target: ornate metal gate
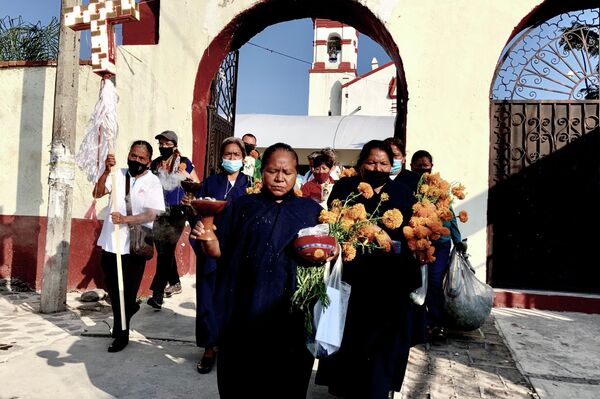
{"x": 544, "y": 158}
{"x": 221, "y": 111}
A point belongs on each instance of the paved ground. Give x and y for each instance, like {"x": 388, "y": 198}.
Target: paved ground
{"x": 64, "y": 355}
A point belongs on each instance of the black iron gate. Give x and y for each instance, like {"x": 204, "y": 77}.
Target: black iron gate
{"x": 545, "y": 158}
{"x": 221, "y": 111}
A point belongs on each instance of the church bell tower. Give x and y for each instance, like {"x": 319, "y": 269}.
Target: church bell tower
{"x": 335, "y": 53}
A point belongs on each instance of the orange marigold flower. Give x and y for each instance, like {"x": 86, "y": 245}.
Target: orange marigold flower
{"x": 463, "y": 216}
{"x": 430, "y": 251}
{"x": 423, "y": 244}
{"x": 348, "y": 252}
{"x": 409, "y": 233}
{"x": 182, "y": 166}
{"x": 336, "y": 203}
{"x": 366, "y": 190}
{"x": 417, "y": 221}
{"x": 435, "y": 236}
{"x": 424, "y": 188}
{"x": 445, "y": 214}
{"x": 424, "y": 209}
{"x": 445, "y": 231}
{"x": 328, "y": 217}
{"x": 412, "y": 245}
{"x": 383, "y": 240}
{"x": 254, "y": 154}
{"x": 319, "y": 254}
{"x": 367, "y": 231}
{"x": 436, "y": 226}
{"x": 347, "y": 172}
{"x": 392, "y": 218}
{"x": 459, "y": 191}
{"x": 346, "y": 223}
{"x": 422, "y": 231}
{"x": 384, "y": 197}
{"x": 357, "y": 212}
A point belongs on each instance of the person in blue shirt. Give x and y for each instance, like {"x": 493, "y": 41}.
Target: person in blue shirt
{"x": 262, "y": 351}
{"x": 422, "y": 162}
{"x": 171, "y": 168}
{"x": 227, "y": 185}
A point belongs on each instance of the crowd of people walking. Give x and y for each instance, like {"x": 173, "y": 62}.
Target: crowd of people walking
{"x": 245, "y": 278}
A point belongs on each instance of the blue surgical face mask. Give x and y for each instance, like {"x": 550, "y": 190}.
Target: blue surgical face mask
{"x": 396, "y": 167}
{"x": 231, "y": 165}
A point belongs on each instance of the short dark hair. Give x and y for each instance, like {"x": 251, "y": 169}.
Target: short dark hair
{"x": 233, "y": 140}
{"x": 372, "y": 145}
{"x": 323, "y": 160}
{"x": 277, "y": 147}
{"x": 249, "y": 135}
{"x": 421, "y": 154}
{"x": 143, "y": 144}
{"x": 395, "y": 141}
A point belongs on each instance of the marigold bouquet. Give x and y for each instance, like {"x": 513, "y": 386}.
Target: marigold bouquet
{"x": 434, "y": 198}
{"x": 356, "y": 229}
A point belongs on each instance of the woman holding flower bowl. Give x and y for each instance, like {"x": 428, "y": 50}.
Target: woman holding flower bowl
{"x": 262, "y": 351}
{"x": 374, "y": 351}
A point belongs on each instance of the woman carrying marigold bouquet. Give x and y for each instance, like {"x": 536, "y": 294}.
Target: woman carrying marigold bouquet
{"x": 378, "y": 323}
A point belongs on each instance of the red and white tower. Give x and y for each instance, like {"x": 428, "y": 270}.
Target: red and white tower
{"x": 335, "y": 52}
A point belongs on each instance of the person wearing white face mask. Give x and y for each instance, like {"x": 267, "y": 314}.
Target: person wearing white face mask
{"x": 227, "y": 185}
{"x": 399, "y": 172}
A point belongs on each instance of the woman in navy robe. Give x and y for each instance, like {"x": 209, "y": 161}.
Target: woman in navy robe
{"x": 262, "y": 351}
{"x": 378, "y": 331}
{"x": 227, "y": 185}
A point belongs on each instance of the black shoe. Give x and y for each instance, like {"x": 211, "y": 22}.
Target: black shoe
{"x": 205, "y": 365}
{"x": 156, "y": 300}
{"x": 118, "y": 344}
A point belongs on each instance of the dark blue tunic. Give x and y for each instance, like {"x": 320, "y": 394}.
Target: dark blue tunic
{"x": 218, "y": 187}
{"x": 262, "y": 350}
{"x": 378, "y": 327}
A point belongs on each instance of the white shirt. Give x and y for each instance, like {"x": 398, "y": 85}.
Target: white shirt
{"x": 146, "y": 193}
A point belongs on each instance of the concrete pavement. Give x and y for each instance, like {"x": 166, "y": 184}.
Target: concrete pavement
{"x": 550, "y": 354}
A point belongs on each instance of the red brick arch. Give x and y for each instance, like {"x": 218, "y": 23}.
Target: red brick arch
{"x": 269, "y": 12}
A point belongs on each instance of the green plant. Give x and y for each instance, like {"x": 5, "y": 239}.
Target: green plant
{"x": 24, "y": 41}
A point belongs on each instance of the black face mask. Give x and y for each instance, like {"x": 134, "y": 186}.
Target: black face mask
{"x": 422, "y": 171}
{"x": 166, "y": 152}
{"x": 249, "y": 148}
{"x": 136, "y": 168}
{"x": 376, "y": 178}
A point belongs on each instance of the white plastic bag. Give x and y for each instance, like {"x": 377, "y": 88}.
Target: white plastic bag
{"x": 330, "y": 321}
{"x": 418, "y": 295}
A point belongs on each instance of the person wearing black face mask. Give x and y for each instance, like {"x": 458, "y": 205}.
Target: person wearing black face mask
{"x": 374, "y": 351}
{"x": 146, "y": 199}
{"x": 421, "y": 162}
{"x": 171, "y": 168}
{"x": 252, "y": 160}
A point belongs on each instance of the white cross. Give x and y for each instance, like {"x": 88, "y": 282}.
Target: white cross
{"x": 100, "y": 16}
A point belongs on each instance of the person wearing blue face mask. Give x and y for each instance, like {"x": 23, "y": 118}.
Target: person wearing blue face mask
{"x": 399, "y": 173}
{"x": 227, "y": 185}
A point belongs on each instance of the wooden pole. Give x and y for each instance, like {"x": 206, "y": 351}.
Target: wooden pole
{"x": 115, "y": 208}
{"x": 62, "y": 170}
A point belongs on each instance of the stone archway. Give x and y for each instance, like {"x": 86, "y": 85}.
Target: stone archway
{"x": 253, "y": 20}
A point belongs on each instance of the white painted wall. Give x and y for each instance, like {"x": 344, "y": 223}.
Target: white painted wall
{"x": 26, "y": 113}
{"x": 371, "y": 94}
{"x": 449, "y": 50}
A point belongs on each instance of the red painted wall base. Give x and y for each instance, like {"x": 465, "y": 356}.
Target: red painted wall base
{"x": 562, "y": 302}
{"x": 22, "y": 243}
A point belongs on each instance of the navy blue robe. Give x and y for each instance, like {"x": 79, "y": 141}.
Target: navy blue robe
{"x": 217, "y": 187}
{"x": 377, "y": 334}
{"x": 262, "y": 351}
